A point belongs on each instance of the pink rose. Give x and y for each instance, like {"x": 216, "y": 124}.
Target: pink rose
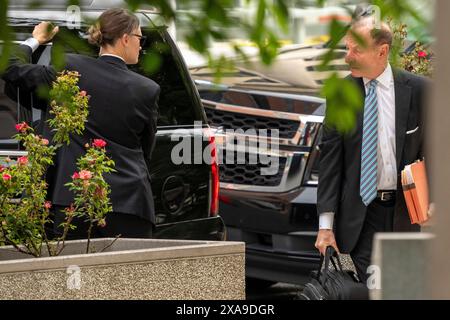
{"x": 21, "y": 127}
{"x": 2, "y": 168}
{"x": 47, "y": 205}
{"x": 102, "y": 223}
{"x": 23, "y": 161}
{"x": 6, "y": 177}
{"x": 100, "y": 192}
{"x": 422, "y": 54}
{"x": 85, "y": 175}
{"x": 83, "y": 93}
{"x": 44, "y": 142}
{"x": 75, "y": 176}
{"x": 99, "y": 143}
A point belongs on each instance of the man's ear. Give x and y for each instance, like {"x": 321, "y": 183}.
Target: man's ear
{"x": 384, "y": 50}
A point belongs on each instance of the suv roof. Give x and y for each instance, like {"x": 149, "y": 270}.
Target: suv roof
{"x": 23, "y": 12}
{"x": 83, "y": 4}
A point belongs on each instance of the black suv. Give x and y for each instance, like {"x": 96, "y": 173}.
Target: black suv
{"x": 186, "y": 195}
{"x": 275, "y": 215}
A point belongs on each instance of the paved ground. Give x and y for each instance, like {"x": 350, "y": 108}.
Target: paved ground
{"x": 287, "y": 291}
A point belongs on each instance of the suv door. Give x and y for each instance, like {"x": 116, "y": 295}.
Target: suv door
{"x": 183, "y": 192}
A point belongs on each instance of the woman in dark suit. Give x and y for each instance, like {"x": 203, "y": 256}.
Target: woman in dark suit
{"x": 122, "y": 111}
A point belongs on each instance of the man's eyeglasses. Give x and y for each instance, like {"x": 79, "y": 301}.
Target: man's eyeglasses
{"x": 142, "y": 38}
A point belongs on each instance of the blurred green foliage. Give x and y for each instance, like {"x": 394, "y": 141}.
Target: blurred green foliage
{"x": 210, "y": 23}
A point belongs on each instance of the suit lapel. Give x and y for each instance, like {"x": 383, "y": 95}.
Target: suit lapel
{"x": 355, "y": 139}
{"x": 360, "y": 117}
{"x": 402, "y": 104}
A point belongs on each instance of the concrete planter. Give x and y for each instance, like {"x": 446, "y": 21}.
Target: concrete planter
{"x": 401, "y": 264}
{"x": 129, "y": 269}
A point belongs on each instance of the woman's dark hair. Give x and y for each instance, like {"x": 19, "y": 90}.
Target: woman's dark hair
{"x": 111, "y": 25}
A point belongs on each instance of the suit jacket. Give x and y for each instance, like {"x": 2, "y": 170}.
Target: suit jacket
{"x": 340, "y": 162}
{"x": 122, "y": 111}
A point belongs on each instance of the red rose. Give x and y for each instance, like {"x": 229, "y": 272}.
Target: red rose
{"x": 422, "y": 54}
{"x": 23, "y": 161}
{"x": 83, "y": 93}
{"x": 69, "y": 210}
{"x": 75, "y": 175}
{"x": 6, "y": 177}
{"x": 99, "y": 143}
{"x": 47, "y": 205}
{"x": 21, "y": 127}
{"x": 85, "y": 175}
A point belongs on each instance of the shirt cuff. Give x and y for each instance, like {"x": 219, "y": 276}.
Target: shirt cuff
{"x": 326, "y": 220}
{"x": 32, "y": 43}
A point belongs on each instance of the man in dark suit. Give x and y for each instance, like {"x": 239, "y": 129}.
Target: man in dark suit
{"x": 122, "y": 111}
{"x": 359, "y": 190}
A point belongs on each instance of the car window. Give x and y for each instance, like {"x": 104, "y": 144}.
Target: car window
{"x": 179, "y": 103}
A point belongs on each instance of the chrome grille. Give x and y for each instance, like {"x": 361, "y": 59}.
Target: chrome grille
{"x": 250, "y": 174}
{"x": 232, "y": 120}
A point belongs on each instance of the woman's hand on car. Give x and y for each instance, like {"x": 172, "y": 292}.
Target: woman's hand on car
{"x": 44, "y": 32}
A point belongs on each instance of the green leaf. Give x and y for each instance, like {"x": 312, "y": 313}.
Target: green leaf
{"x": 344, "y": 101}
{"x": 260, "y": 15}
{"x": 5, "y": 36}
{"x": 197, "y": 41}
{"x": 58, "y": 56}
{"x": 337, "y": 31}
{"x": 215, "y": 11}
{"x": 281, "y": 14}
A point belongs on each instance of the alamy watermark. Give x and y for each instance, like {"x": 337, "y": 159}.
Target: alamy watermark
{"x": 74, "y": 278}
{"x": 374, "y": 280}
{"x": 73, "y": 17}
{"x": 250, "y": 147}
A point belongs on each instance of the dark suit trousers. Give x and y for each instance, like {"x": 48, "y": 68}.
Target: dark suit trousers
{"x": 379, "y": 218}
{"x": 127, "y": 225}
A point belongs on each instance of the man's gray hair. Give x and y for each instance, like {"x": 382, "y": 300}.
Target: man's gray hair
{"x": 381, "y": 33}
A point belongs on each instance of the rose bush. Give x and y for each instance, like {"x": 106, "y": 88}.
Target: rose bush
{"x": 24, "y": 207}
{"x": 418, "y": 60}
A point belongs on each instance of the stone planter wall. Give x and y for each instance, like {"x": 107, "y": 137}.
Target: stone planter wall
{"x": 129, "y": 269}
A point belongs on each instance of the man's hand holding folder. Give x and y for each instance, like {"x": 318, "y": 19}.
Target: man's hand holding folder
{"x": 415, "y": 189}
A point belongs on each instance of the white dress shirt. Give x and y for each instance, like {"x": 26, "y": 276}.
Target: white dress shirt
{"x": 386, "y": 153}
{"x": 112, "y": 55}
{"x": 32, "y": 43}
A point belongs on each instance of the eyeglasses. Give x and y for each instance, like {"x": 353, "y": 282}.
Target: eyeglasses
{"x": 142, "y": 38}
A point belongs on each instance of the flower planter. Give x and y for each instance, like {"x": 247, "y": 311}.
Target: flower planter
{"x": 128, "y": 269}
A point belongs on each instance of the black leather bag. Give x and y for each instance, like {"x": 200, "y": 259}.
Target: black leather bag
{"x": 334, "y": 283}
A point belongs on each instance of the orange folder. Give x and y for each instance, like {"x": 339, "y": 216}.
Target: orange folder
{"x": 415, "y": 189}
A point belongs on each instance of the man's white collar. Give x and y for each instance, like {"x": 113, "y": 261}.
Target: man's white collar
{"x": 385, "y": 79}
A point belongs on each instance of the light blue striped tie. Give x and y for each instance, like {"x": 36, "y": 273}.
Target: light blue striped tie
{"x": 368, "y": 183}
